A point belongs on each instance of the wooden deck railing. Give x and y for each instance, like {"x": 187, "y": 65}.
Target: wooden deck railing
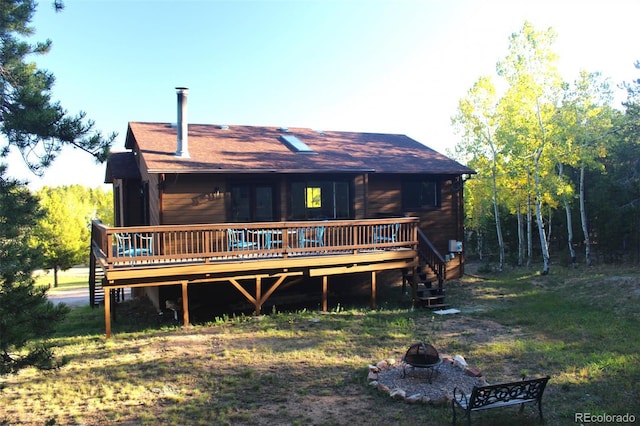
{"x": 150, "y": 245}
{"x": 432, "y": 257}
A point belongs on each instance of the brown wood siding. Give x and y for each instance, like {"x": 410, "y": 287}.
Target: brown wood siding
{"x": 117, "y": 202}
{"x": 384, "y": 196}
{"x": 284, "y": 198}
{"x": 130, "y": 206}
{"x": 191, "y": 199}
{"x": 439, "y": 225}
{"x": 154, "y": 197}
{"x": 359, "y": 197}
{"x": 154, "y": 192}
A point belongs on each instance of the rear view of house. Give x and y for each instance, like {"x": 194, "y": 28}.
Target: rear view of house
{"x": 200, "y": 204}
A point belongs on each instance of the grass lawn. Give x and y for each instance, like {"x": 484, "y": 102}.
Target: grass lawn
{"x": 581, "y": 327}
{"x": 71, "y": 279}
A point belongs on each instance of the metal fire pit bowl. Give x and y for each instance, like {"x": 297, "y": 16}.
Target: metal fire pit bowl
{"x": 421, "y": 355}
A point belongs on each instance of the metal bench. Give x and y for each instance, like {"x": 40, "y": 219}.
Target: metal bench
{"x": 500, "y": 395}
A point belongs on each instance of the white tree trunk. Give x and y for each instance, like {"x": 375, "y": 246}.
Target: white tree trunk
{"x": 529, "y": 231}
{"x": 543, "y": 239}
{"x": 520, "y": 237}
{"x": 583, "y": 219}
{"x": 496, "y": 212}
{"x": 572, "y": 251}
{"x": 567, "y": 210}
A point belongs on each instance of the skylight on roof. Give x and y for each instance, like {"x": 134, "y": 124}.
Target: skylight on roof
{"x": 296, "y": 145}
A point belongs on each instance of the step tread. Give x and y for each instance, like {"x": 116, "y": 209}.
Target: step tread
{"x": 438, "y": 306}
{"x": 427, "y": 298}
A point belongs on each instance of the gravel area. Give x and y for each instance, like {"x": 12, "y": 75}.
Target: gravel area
{"x": 416, "y": 382}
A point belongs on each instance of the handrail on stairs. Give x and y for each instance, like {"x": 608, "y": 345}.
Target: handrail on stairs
{"x": 432, "y": 257}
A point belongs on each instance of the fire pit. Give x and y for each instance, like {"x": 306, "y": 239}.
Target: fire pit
{"x": 421, "y": 355}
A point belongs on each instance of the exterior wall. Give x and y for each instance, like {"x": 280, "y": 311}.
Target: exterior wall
{"x": 283, "y": 187}
{"x": 439, "y": 224}
{"x": 193, "y": 198}
{"x": 383, "y": 196}
{"x": 117, "y": 202}
{"x": 153, "y": 193}
{"x": 153, "y": 199}
{"x": 360, "y": 196}
{"x": 190, "y": 198}
{"x": 130, "y": 203}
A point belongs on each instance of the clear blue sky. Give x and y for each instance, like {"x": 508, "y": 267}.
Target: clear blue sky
{"x": 397, "y": 66}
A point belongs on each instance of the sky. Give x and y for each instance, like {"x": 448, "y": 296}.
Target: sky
{"x": 384, "y": 66}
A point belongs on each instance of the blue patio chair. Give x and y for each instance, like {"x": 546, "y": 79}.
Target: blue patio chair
{"x": 386, "y": 233}
{"x": 273, "y": 239}
{"x": 316, "y": 239}
{"x": 237, "y": 241}
{"x": 130, "y": 245}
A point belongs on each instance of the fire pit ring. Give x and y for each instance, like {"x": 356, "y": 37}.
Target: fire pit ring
{"x": 421, "y": 355}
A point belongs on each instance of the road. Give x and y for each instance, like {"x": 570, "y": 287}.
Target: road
{"x": 76, "y": 297}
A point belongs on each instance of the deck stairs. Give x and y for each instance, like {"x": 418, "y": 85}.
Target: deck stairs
{"x": 96, "y": 278}
{"x": 427, "y": 280}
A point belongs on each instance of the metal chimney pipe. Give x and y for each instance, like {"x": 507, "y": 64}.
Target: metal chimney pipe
{"x": 182, "y": 149}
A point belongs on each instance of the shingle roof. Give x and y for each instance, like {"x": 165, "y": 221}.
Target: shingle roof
{"x": 215, "y": 148}
{"x": 121, "y": 165}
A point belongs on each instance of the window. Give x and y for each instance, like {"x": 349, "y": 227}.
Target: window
{"x": 314, "y": 198}
{"x": 320, "y": 200}
{"x": 296, "y": 145}
{"x": 420, "y": 195}
{"x": 251, "y": 203}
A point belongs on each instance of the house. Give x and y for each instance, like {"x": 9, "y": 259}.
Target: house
{"x": 255, "y": 206}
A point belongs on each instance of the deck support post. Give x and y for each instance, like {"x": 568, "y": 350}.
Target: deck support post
{"x": 258, "y": 299}
{"x": 185, "y": 303}
{"x": 325, "y": 285}
{"x": 107, "y": 312}
{"x": 414, "y": 285}
{"x": 373, "y": 289}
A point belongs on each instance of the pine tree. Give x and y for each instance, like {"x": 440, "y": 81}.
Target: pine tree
{"x": 39, "y": 128}
{"x": 26, "y": 315}
{"x": 29, "y": 119}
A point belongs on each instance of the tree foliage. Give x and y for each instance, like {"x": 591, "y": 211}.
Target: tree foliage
{"x": 39, "y": 127}
{"x": 556, "y": 151}
{"x": 477, "y": 121}
{"x": 63, "y": 233}
{"x": 31, "y": 121}
{"x": 25, "y": 313}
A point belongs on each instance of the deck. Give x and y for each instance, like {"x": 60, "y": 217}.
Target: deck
{"x": 265, "y": 253}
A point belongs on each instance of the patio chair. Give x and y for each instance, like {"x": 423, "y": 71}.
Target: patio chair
{"x": 237, "y": 241}
{"x": 315, "y": 239}
{"x": 130, "y": 245}
{"x": 386, "y": 233}
{"x": 273, "y": 239}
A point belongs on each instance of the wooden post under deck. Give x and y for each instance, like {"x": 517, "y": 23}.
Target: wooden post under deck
{"x": 107, "y": 312}
{"x": 185, "y": 303}
{"x": 414, "y": 284}
{"x": 373, "y": 289}
{"x": 324, "y": 293}
{"x": 258, "y": 305}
